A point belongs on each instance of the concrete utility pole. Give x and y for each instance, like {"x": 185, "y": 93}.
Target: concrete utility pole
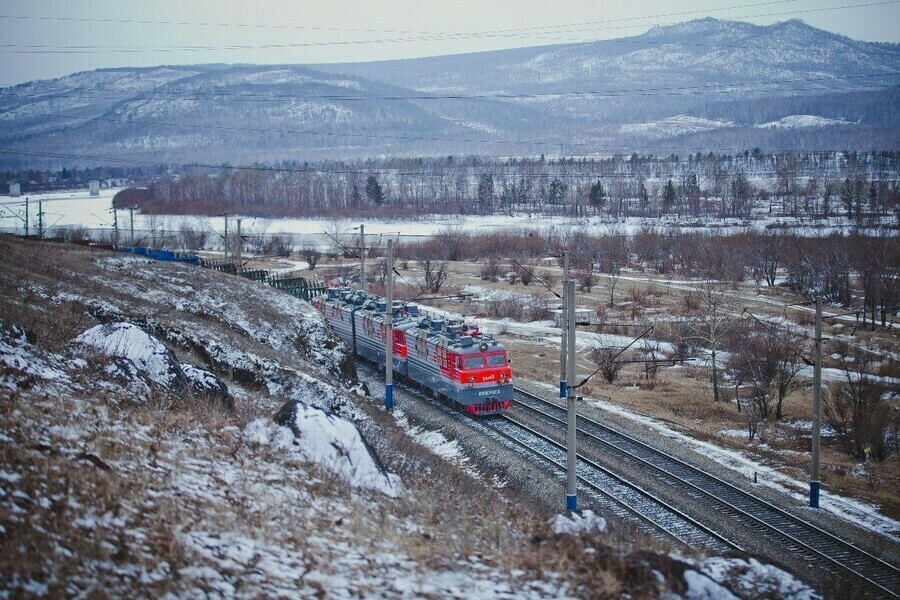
{"x": 131, "y": 215}
{"x": 571, "y": 489}
{"x": 362, "y": 257}
{"x": 564, "y": 324}
{"x": 814, "y": 483}
{"x": 40, "y": 220}
{"x": 226, "y": 236}
{"x": 240, "y": 244}
{"x": 389, "y": 331}
{"x": 115, "y": 226}
{"x": 26, "y": 217}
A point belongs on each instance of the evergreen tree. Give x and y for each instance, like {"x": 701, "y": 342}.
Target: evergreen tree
{"x": 373, "y": 191}
{"x": 597, "y": 196}
{"x": 643, "y": 196}
{"x": 670, "y": 196}
{"x": 557, "y": 191}
{"x": 486, "y": 193}
{"x": 847, "y": 197}
{"x": 354, "y": 196}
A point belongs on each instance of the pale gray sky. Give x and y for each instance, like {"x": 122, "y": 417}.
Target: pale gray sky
{"x": 41, "y": 39}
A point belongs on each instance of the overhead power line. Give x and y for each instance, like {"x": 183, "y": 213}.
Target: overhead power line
{"x": 364, "y": 30}
{"x": 516, "y": 34}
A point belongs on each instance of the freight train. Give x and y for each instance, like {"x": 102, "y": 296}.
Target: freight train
{"x": 451, "y": 358}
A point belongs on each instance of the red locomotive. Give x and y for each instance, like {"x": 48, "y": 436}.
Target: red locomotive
{"x": 447, "y": 356}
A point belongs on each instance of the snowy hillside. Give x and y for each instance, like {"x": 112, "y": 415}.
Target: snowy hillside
{"x": 593, "y": 96}
{"x": 124, "y": 473}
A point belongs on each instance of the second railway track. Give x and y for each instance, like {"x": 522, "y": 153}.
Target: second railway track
{"x": 838, "y": 557}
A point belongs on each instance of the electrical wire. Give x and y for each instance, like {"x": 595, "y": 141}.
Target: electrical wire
{"x": 358, "y": 30}
{"x": 422, "y": 38}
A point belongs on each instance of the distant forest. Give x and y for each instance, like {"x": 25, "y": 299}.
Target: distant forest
{"x": 821, "y": 184}
{"x": 855, "y": 185}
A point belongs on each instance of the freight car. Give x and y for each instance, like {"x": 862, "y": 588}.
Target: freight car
{"x": 445, "y": 355}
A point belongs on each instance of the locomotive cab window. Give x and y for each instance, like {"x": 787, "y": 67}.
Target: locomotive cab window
{"x": 474, "y": 362}
{"x": 497, "y": 360}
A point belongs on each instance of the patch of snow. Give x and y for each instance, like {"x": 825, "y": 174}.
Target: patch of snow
{"x": 673, "y": 126}
{"x": 125, "y": 340}
{"x": 701, "y": 587}
{"x": 331, "y": 442}
{"x": 574, "y": 523}
{"x": 753, "y": 579}
{"x": 802, "y": 122}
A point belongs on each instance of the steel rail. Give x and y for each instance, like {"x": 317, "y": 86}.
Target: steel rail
{"x": 585, "y": 461}
{"x": 841, "y": 550}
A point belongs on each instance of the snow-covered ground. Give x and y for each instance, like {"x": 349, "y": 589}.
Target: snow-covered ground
{"x": 236, "y": 506}
{"x": 859, "y": 513}
{"x": 802, "y": 122}
{"x": 66, "y": 209}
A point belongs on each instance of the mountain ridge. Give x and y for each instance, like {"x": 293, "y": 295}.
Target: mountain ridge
{"x": 579, "y": 98}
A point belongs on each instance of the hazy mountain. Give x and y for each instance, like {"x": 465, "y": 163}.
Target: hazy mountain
{"x": 702, "y": 84}
{"x": 703, "y": 52}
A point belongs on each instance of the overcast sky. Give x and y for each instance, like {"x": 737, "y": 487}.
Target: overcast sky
{"x": 49, "y": 38}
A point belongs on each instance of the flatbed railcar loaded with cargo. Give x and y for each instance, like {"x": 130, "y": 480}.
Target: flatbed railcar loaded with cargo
{"x": 451, "y": 358}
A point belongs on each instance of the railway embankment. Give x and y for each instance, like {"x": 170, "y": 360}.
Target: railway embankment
{"x": 117, "y": 481}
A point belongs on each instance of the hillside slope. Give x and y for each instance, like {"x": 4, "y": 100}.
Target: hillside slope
{"x": 115, "y": 482}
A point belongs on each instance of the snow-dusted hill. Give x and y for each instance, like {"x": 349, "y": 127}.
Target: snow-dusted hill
{"x": 117, "y": 481}
{"x": 575, "y": 98}
{"x": 701, "y": 52}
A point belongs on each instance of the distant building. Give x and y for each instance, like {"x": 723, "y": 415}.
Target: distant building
{"x": 15, "y": 190}
{"x": 95, "y": 187}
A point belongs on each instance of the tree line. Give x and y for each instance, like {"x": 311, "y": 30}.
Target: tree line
{"x": 819, "y": 185}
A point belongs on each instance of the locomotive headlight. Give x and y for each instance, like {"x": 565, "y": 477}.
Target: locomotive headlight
{"x": 483, "y": 347}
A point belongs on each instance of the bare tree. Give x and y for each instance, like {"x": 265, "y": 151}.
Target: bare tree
{"x": 192, "y": 238}
{"x": 859, "y": 411}
{"x": 339, "y": 235}
{"x": 711, "y": 326}
{"x": 605, "y": 358}
{"x": 435, "y": 273}
{"x": 452, "y": 240}
{"x": 310, "y": 254}
{"x": 767, "y": 361}
{"x": 613, "y": 255}
{"x": 766, "y": 255}
{"x": 490, "y": 271}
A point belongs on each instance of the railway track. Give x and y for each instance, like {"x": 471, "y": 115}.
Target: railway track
{"x": 840, "y": 558}
{"x": 624, "y": 498}
{"x": 610, "y": 493}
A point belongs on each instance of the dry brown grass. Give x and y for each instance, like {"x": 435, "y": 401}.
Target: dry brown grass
{"x": 684, "y": 396}
{"x": 125, "y": 482}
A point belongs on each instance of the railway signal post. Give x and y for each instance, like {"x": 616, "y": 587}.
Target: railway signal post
{"x": 814, "y": 483}
{"x": 571, "y": 497}
{"x": 564, "y": 324}
{"x": 389, "y": 330}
